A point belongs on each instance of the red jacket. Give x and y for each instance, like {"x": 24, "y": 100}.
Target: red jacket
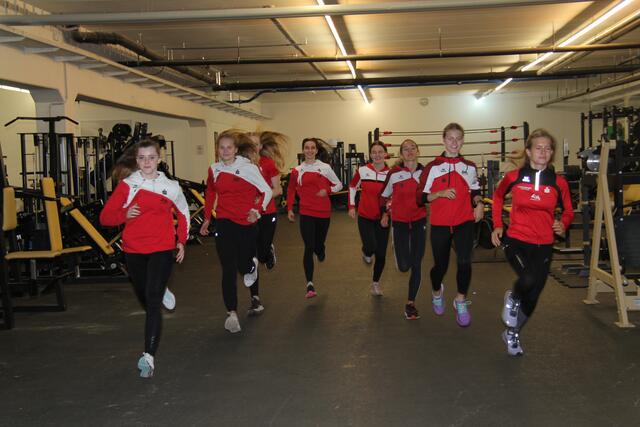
{"x": 450, "y": 172}
{"x": 157, "y": 199}
{"x": 306, "y": 181}
{"x": 269, "y": 170}
{"x": 401, "y": 187}
{"x": 534, "y": 197}
{"x": 372, "y": 184}
{"x": 239, "y": 187}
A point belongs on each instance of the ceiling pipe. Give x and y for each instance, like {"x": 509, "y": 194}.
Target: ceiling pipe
{"x": 426, "y": 80}
{"x": 591, "y": 91}
{"x": 266, "y": 13}
{"x": 391, "y": 57}
{"x": 137, "y": 48}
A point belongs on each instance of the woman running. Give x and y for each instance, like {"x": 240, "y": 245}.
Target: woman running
{"x": 313, "y": 181}
{"x": 145, "y": 201}
{"x": 408, "y": 219}
{"x": 536, "y": 190}
{"x": 240, "y": 193}
{"x": 271, "y": 163}
{"x": 370, "y": 179}
{"x": 450, "y": 185}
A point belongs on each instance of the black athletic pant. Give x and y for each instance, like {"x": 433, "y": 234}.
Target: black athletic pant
{"x": 531, "y": 263}
{"x": 150, "y": 274}
{"x": 409, "y": 240}
{"x": 441, "y": 239}
{"x": 266, "y": 231}
{"x": 374, "y": 242}
{"x": 314, "y": 233}
{"x": 236, "y": 246}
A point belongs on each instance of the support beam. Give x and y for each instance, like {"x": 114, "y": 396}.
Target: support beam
{"x": 40, "y": 50}
{"x": 266, "y": 13}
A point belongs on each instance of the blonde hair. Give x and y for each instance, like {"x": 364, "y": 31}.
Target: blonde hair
{"x": 520, "y": 158}
{"x": 400, "y": 161}
{"x": 272, "y": 145}
{"x": 243, "y": 143}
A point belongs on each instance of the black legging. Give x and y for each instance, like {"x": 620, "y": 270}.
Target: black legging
{"x": 314, "y": 233}
{"x": 236, "y": 246}
{"x": 409, "y": 239}
{"x": 150, "y": 274}
{"x": 441, "y": 238}
{"x": 531, "y": 263}
{"x": 266, "y": 231}
{"x": 374, "y": 242}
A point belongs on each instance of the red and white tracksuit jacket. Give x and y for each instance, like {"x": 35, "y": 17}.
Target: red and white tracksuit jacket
{"x": 372, "y": 183}
{"x": 269, "y": 170}
{"x": 239, "y": 187}
{"x": 306, "y": 181}
{"x": 157, "y": 199}
{"x": 534, "y": 198}
{"x": 401, "y": 187}
{"x": 450, "y": 172}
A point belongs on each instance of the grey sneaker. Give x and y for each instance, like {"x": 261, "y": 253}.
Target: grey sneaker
{"x": 511, "y": 338}
{"x": 510, "y": 310}
{"x": 169, "y": 300}
{"x": 251, "y": 277}
{"x": 146, "y": 365}
{"x": 232, "y": 324}
{"x": 256, "y": 306}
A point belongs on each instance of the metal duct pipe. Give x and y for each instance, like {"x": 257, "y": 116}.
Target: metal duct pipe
{"x": 590, "y": 91}
{"x": 266, "y": 13}
{"x": 127, "y": 43}
{"x": 391, "y": 57}
{"x": 429, "y": 80}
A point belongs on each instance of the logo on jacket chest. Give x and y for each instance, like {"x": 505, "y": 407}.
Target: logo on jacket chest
{"x": 535, "y": 197}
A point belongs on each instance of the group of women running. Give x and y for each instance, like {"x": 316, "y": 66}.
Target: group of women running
{"x": 241, "y": 186}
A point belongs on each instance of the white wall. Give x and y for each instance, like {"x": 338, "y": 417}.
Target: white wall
{"x": 12, "y": 105}
{"x": 350, "y": 121}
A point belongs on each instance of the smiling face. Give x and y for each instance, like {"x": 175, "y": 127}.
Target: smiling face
{"x": 227, "y": 150}
{"x": 540, "y": 152}
{"x": 453, "y": 141}
{"x": 377, "y": 154}
{"x": 148, "y": 160}
{"x": 310, "y": 150}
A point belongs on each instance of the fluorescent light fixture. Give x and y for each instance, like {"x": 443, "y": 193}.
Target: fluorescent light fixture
{"x": 503, "y": 84}
{"x": 14, "y": 89}
{"x": 574, "y": 37}
{"x": 338, "y": 40}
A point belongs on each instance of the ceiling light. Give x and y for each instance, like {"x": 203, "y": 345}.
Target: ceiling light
{"x": 364, "y": 95}
{"x": 14, "y": 89}
{"x": 503, "y": 84}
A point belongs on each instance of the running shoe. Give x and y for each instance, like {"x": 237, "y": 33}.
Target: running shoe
{"x": 256, "y": 307}
{"x": 146, "y": 366}
{"x": 438, "y": 301}
{"x": 367, "y": 259}
{"x": 376, "y": 290}
{"x": 271, "y": 258}
{"x": 169, "y": 300}
{"x": 510, "y": 310}
{"x": 411, "y": 312}
{"x": 463, "y": 317}
{"x": 251, "y": 277}
{"x": 311, "y": 291}
{"x": 321, "y": 256}
{"x": 232, "y": 324}
{"x": 511, "y": 338}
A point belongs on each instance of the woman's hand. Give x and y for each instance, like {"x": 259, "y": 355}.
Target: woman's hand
{"x": 322, "y": 193}
{"x": 384, "y": 221}
{"x": 496, "y": 235}
{"x": 291, "y": 216}
{"x": 180, "y": 254}
{"x": 253, "y": 216}
{"x": 133, "y": 211}
{"x": 558, "y": 228}
{"x": 204, "y": 228}
{"x": 478, "y": 211}
{"x": 352, "y": 212}
{"x": 449, "y": 193}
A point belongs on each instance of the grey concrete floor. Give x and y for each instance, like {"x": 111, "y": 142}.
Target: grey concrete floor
{"x": 343, "y": 358}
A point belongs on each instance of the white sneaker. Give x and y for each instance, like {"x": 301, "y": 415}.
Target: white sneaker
{"x": 376, "y": 290}
{"x": 250, "y": 278}
{"x": 232, "y": 324}
{"x": 512, "y": 339}
{"x": 146, "y": 365}
{"x": 367, "y": 259}
{"x": 169, "y": 300}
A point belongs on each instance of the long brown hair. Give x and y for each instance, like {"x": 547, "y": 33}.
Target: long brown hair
{"x": 520, "y": 158}
{"x": 323, "y": 149}
{"x": 242, "y": 141}
{"x": 126, "y": 164}
{"x": 400, "y": 161}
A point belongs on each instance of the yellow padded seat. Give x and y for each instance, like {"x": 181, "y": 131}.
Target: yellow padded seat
{"x": 200, "y": 199}
{"x": 88, "y": 227}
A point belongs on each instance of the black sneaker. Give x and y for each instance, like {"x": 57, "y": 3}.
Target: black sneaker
{"x": 321, "y": 256}
{"x": 411, "y": 312}
{"x": 256, "y": 306}
{"x": 271, "y": 258}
